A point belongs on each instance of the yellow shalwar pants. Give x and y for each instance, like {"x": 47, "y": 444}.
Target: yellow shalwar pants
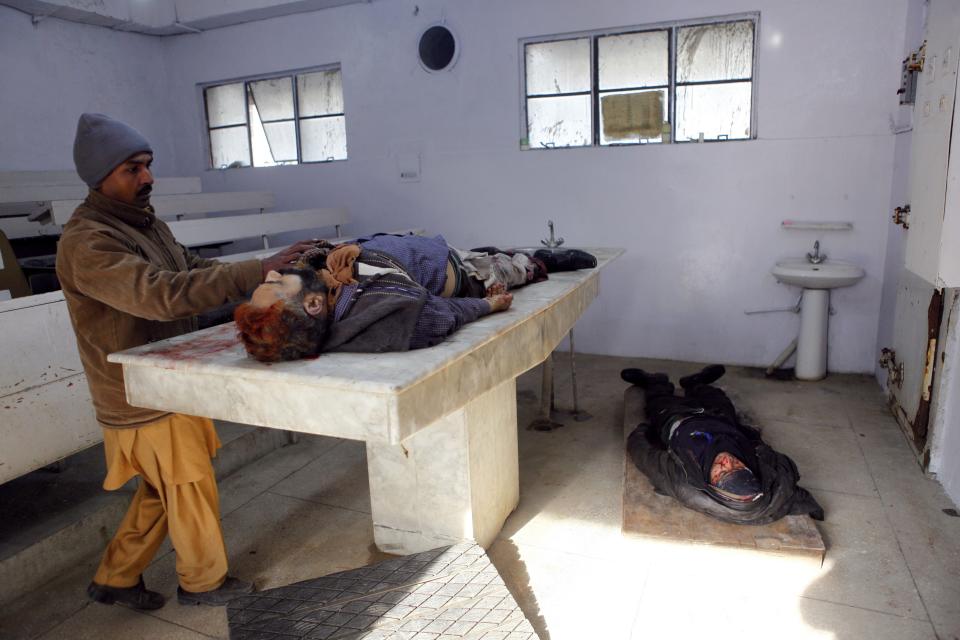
{"x": 177, "y": 494}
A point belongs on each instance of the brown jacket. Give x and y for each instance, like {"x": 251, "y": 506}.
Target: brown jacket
{"x": 127, "y": 282}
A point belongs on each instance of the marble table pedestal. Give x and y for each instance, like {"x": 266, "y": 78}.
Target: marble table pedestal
{"x": 457, "y": 479}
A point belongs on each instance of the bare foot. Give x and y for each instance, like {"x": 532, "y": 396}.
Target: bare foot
{"x": 499, "y": 302}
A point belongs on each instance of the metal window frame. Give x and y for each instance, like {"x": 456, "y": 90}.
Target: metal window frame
{"x": 247, "y": 81}
{"x": 599, "y": 92}
{"x": 526, "y": 97}
{"x": 248, "y": 89}
{"x": 206, "y": 120}
{"x": 299, "y": 118}
{"x": 672, "y": 27}
{"x": 698, "y": 83}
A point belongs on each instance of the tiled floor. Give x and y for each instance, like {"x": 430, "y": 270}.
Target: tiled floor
{"x": 892, "y": 569}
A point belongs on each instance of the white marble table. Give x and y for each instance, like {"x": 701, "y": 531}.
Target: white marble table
{"x": 440, "y": 424}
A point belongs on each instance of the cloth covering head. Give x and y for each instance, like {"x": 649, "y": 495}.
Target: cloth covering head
{"x": 101, "y": 144}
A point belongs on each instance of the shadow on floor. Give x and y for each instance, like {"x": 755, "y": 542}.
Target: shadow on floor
{"x": 454, "y": 591}
{"x": 511, "y": 566}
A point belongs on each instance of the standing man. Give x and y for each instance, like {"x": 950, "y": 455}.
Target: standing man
{"x": 127, "y": 282}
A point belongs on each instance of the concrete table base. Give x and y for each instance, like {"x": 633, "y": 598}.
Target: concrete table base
{"x": 457, "y": 479}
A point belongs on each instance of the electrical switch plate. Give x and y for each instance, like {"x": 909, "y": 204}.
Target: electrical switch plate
{"x": 408, "y": 166}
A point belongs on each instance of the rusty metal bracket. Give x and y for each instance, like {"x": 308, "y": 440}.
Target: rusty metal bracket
{"x": 901, "y": 216}
{"x": 911, "y": 67}
{"x": 888, "y": 361}
{"x": 916, "y": 59}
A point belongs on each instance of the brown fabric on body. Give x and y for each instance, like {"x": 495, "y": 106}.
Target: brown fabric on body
{"x": 339, "y": 271}
{"x": 177, "y": 496}
{"x": 128, "y": 282}
{"x": 11, "y": 275}
{"x": 182, "y": 446}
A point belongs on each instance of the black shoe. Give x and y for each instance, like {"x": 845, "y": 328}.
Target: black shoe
{"x": 488, "y": 250}
{"x": 219, "y": 597}
{"x": 565, "y": 259}
{"x": 643, "y": 379}
{"x": 136, "y": 597}
{"x": 710, "y": 373}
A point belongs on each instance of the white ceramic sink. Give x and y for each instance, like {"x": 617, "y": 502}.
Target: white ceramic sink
{"x": 829, "y": 274}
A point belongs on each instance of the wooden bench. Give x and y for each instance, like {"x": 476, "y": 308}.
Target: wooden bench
{"x": 44, "y": 401}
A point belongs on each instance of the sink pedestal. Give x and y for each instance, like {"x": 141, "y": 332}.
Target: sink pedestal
{"x": 812, "y": 342}
{"x": 816, "y": 278}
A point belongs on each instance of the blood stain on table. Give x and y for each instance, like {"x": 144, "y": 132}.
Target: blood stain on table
{"x": 197, "y": 348}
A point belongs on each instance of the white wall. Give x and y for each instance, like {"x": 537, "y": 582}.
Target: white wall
{"x": 52, "y": 72}
{"x": 899, "y": 194}
{"x": 895, "y": 250}
{"x": 945, "y": 419}
{"x": 701, "y": 222}
{"x": 945, "y": 410}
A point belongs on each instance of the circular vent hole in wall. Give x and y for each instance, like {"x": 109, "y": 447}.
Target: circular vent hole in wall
{"x": 438, "y": 48}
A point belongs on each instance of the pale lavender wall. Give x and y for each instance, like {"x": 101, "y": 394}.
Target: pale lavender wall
{"x": 52, "y": 72}
{"x": 701, "y": 222}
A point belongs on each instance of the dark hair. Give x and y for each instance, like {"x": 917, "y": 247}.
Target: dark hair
{"x": 282, "y": 331}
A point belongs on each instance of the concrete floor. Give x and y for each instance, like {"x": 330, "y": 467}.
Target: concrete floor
{"x": 892, "y": 569}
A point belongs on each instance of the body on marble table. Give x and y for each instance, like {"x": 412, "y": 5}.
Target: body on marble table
{"x": 457, "y": 398}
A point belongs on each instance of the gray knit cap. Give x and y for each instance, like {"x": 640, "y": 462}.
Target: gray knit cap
{"x": 102, "y": 143}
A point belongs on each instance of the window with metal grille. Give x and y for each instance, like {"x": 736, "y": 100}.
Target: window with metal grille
{"x": 290, "y": 118}
{"x": 686, "y": 81}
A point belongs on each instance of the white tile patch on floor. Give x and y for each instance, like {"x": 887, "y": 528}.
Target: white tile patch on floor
{"x": 892, "y": 569}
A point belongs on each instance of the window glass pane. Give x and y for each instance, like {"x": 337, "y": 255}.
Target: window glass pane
{"x": 273, "y": 98}
{"x": 632, "y": 116}
{"x": 320, "y": 94}
{"x": 559, "y": 122}
{"x": 282, "y": 138}
{"x": 632, "y": 60}
{"x": 714, "y": 110}
{"x": 323, "y": 139}
{"x": 715, "y": 52}
{"x": 226, "y": 105}
{"x": 273, "y": 143}
{"x": 558, "y": 67}
{"x": 229, "y": 147}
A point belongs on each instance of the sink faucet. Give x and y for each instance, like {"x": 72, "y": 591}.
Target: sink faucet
{"x": 816, "y": 257}
{"x": 553, "y": 242}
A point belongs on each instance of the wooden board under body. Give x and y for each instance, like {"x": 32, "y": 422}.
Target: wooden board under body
{"x": 650, "y": 515}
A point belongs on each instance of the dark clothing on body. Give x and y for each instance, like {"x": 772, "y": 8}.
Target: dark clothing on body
{"x": 676, "y": 447}
{"x": 404, "y": 310}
